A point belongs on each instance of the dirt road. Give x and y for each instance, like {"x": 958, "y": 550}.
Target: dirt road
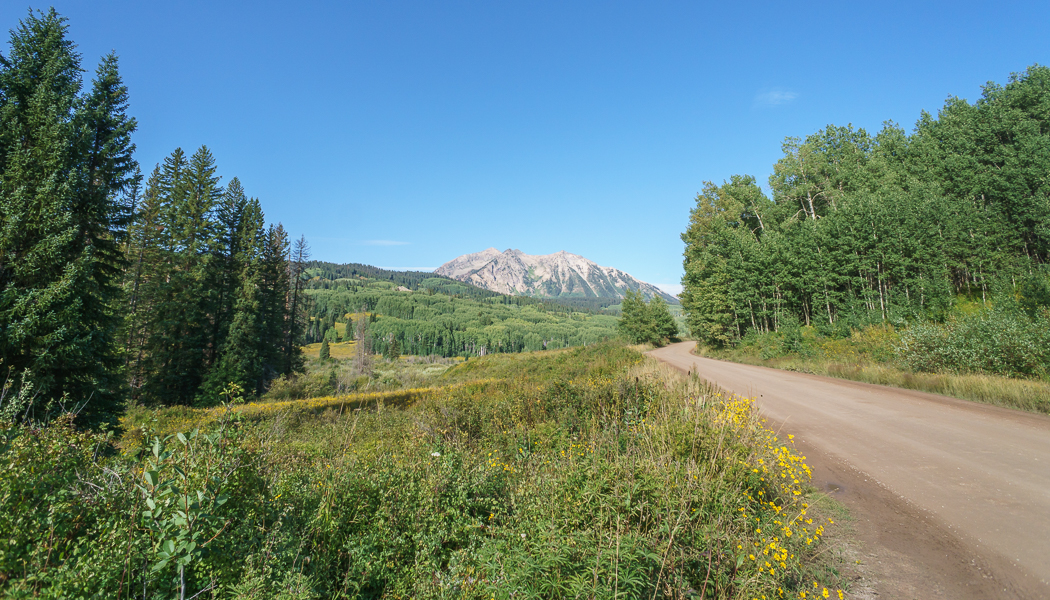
{"x": 951, "y": 498}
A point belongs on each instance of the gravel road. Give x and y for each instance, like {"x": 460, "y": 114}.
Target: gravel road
{"x": 951, "y": 499}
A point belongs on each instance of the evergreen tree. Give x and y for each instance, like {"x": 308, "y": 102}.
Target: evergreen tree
{"x": 298, "y": 306}
{"x": 393, "y": 349}
{"x": 274, "y": 297}
{"x": 241, "y": 361}
{"x": 66, "y": 174}
{"x": 363, "y": 348}
{"x": 181, "y": 346}
{"x": 239, "y": 228}
{"x": 348, "y": 329}
{"x": 326, "y": 352}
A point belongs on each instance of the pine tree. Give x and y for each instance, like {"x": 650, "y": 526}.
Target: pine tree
{"x": 326, "y": 352}
{"x": 297, "y": 307}
{"x": 180, "y": 347}
{"x": 238, "y": 228}
{"x": 274, "y": 303}
{"x": 66, "y": 170}
{"x": 393, "y": 349}
{"x": 348, "y": 329}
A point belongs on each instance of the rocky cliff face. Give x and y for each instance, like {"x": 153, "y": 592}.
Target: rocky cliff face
{"x": 551, "y": 275}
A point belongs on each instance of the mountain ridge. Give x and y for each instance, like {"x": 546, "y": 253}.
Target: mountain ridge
{"x": 558, "y": 275}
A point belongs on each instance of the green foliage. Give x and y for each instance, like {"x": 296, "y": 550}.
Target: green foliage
{"x": 644, "y": 322}
{"x": 181, "y": 517}
{"x": 207, "y": 296}
{"x": 581, "y": 474}
{"x": 424, "y": 323}
{"x": 869, "y": 229}
{"x": 996, "y": 341}
{"x": 85, "y": 522}
{"x": 211, "y": 289}
{"x": 1035, "y": 294}
{"x": 393, "y": 349}
{"x": 67, "y": 175}
{"x": 326, "y": 351}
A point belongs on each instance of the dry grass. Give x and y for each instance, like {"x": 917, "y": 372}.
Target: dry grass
{"x": 1025, "y": 394}
{"x": 339, "y": 350}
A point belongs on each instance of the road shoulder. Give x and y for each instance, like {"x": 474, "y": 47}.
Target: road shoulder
{"x": 894, "y": 549}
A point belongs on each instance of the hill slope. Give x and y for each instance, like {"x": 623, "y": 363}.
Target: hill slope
{"x": 557, "y": 275}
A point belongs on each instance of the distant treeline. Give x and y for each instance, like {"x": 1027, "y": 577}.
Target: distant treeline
{"x": 867, "y": 228}
{"x": 442, "y": 316}
{"x": 326, "y": 275}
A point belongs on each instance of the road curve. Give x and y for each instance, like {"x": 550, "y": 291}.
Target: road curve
{"x": 982, "y": 472}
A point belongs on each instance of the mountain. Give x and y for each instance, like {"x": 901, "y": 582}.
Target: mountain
{"x": 558, "y": 275}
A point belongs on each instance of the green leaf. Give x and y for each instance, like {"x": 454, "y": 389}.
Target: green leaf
{"x": 151, "y": 477}
{"x": 151, "y": 504}
{"x": 168, "y": 546}
{"x": 182, "y": 439}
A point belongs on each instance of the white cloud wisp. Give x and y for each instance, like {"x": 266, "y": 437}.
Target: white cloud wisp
{"x": 774, "y": 98}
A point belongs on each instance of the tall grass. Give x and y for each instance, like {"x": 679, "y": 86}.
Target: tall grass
{"x": 941, "y": 359}
{"x": 582, "y": 473}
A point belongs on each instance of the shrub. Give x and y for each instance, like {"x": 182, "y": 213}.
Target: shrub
{"x": 995, "y": 341}
{"x": 579, "y": 473}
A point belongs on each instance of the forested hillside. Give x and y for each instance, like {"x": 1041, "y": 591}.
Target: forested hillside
{"x": 889, "y": 227}
{"x": 432, "y": 315}
{"x": 165, "y": 293}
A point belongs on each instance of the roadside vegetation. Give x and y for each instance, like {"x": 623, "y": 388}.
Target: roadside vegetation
{"x": 915, "y": 259}
{"x": 644, "y": 322}
{"x": 992, "y": 354}
{"x": 584, "y": 472}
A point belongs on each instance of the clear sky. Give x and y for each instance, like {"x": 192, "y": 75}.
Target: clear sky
{"x": 403, "y": 134}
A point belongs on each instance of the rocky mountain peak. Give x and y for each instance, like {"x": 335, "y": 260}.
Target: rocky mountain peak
{"x": 561, "y": 274}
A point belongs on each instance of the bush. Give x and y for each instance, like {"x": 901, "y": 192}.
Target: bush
{"x": 996, "y": 341}
{"x": 519, "y": 486}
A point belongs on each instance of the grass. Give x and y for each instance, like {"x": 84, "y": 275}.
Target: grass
{"x": 338, "y": 350}
{"x": 869, "y": 356}
{"x": 590, "y": 472}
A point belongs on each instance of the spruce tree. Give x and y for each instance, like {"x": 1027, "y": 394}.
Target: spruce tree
{"x": 297, "y": 307}
{"x": 237, "y": 228}
{"x": 181, "y": 345}
{"x": 274, "y": 303}
{"x": 325, "y": 350}
{"x": 66, "y": 169}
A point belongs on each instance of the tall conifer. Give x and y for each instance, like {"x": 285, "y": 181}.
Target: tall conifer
{"x": 66, "y": 168}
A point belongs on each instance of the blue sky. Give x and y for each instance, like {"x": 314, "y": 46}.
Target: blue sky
{"x": 403, "y": 134}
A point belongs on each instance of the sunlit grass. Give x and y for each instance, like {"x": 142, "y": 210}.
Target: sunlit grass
{"x": 582, "y": 473}
{"x": 868, "y": 356}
